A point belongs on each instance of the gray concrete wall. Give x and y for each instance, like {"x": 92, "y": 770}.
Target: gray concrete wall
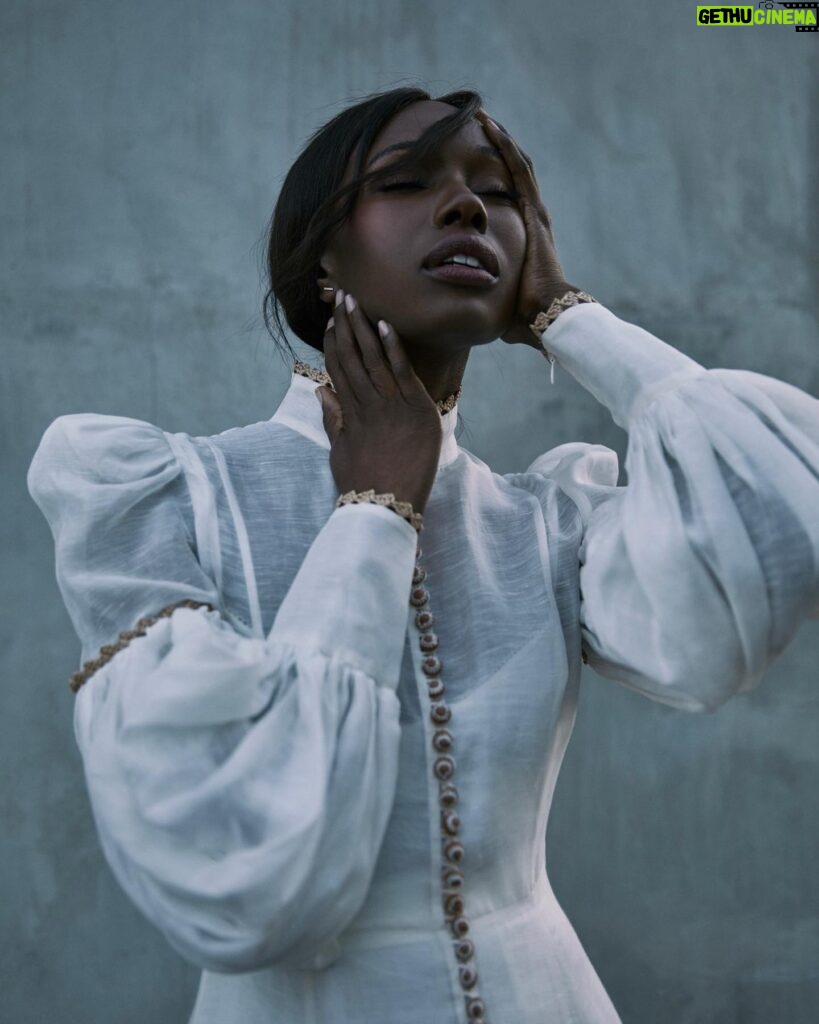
{"x": 143, "y": 146}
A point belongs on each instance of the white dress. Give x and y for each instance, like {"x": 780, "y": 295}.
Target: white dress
{"x": 265, "y": 778}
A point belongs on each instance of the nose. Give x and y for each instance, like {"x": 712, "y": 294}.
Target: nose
{"x": 461, "y": 205}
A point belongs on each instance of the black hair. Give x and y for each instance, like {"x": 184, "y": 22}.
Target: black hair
{"x": 312, "y": 204}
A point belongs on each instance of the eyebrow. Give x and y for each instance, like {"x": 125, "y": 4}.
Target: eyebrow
{"x": 490, "y": 151}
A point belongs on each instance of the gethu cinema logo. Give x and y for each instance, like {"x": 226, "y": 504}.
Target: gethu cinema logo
{"x": 803, "y": 16}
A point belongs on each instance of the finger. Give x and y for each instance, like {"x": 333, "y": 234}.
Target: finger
{"x": 373, "y": 356}
{"x": 341, "y": 385}
{"x": 521, "y": 166}
{"x": 331, "y": 412}
{"x": 406, "y": 378}
{"x": 354, "y": 377}
{"x": 510, "y": 149}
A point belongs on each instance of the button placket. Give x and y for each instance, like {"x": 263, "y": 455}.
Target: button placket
{"x": 443, "y": 768}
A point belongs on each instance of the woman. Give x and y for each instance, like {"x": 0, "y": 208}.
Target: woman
{"x": 321, "y": 747}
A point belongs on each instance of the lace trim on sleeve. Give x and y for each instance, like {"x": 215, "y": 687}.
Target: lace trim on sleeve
{"x": 107, "y": 651}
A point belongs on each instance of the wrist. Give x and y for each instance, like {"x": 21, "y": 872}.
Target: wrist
{"x": 570, "y": 296}
{"x": 554, "y": 291}
{"x": 411, "y": 511}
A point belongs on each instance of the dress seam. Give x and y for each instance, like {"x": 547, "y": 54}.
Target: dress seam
{"x": 203, "y": 504}
{"x": 242, "y": 538}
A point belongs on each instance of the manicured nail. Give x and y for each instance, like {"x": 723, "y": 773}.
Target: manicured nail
{"x": 339, "y": 296}
{"x": 330, "y": 323}
{"x": 383, "y": 329}
{"x": 349, "y": 302}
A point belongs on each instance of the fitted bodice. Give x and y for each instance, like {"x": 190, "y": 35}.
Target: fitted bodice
{"x": 505, "y": 603}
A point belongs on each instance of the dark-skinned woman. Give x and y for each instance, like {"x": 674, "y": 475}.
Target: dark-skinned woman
{"x": 331, "y": 660}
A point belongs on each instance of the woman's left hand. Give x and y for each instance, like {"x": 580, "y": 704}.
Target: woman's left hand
{"x": 542, "y": 278}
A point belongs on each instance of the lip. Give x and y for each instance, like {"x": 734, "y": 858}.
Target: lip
{"x": 464, "y": 245}
{"x": 455, "y": 273}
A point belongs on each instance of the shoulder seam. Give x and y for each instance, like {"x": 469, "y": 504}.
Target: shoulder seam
{"x": 205, "y": 521}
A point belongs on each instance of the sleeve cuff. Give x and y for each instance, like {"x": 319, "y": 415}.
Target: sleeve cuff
{"x": 622, "y": 365}
{"x": 350, "y": 597}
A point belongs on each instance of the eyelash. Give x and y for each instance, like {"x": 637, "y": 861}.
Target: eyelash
{"x": 502, "y": 193}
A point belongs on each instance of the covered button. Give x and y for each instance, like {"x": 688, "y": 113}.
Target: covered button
{"x": 475, "y": 1008}
{"x": 431, "y": 665}
{"x": 428, "y": 642}
{"x": 424, "y": 619}
{"x": 419, "y": 574}
{"x": 453, "y": 851}
{"x": 419, "y": 596}
{"x": 453, "y": 904}
{"x": 435, "y": 688}
{"x": 451, "y": 877}
{"x": 450, "y": 822}
{"x": 448, "y": 795}
{"x": 442, "y": 739}
{"x": 444, "y": 766}
{"x": 464, "y": 949}
{"x": 440, "y": 713}
{"x": 459, "y": 926}
{"x": 468, "y": 976}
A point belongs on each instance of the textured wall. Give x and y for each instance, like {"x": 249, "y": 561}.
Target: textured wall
{"x": 143, "y": 146}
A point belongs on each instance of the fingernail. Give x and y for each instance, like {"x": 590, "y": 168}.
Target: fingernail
{"x": 330, "y": 323}
{"x": 339, "y": 296}
{"x": 319, "y": 399}
{"x": 383, "y": 329}
{"x": 349, "y": 302}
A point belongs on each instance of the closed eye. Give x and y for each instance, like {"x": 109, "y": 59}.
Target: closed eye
{"x": 502, "y": 193}
{"x": 512, "y": 196}
{"x": 400, "y": 184}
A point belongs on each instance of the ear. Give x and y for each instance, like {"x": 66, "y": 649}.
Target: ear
{"x": 326, "y": 284}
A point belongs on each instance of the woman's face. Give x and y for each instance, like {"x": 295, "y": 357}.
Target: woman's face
{"x": 379, "y": 254}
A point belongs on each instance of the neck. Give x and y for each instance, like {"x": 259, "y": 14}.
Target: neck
{"x": 440, "y": 373}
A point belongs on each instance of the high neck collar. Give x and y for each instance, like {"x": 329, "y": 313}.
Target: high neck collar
{"x": 301, "y": 411}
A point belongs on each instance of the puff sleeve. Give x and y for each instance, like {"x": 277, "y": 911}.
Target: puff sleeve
{"x": 241, "y": 785}
{"x": 696, "y": 574}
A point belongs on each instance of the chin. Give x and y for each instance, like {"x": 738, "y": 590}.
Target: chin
{"x": 459, "y": 319}
{"x": 452, "y": 336}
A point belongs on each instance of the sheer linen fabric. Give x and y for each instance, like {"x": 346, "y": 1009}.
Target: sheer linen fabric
{"x": 260, "y": 775}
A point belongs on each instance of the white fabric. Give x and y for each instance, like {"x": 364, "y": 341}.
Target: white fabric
{"x": 261, "y": 775}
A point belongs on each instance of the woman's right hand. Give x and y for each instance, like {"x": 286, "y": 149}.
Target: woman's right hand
{"x": 385, "y": 430}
